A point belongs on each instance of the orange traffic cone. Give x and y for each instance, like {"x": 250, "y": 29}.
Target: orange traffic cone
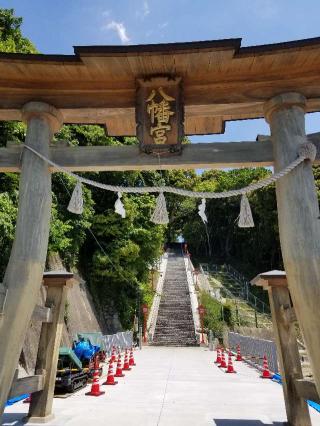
{"x": 119, "y": 368}
{"x": 218, "y": 360}
{"x": 113, "y": 354}
{"x": 239, "y": 356}
{"x": 110, "y": 378}
{"x": 131, "y": 359}
{"x": 126, "y": 365}
{"x": 95, "y": 387}
{"x": 230, "y": 368}
{"x": 265, "y": 372}
{"x": 223, "y": 360}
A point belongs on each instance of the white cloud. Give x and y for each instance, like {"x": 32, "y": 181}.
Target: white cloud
{"x": 146, "y": 9}
{"x": 163, "y": 25}
{"x": 120, "y": 29}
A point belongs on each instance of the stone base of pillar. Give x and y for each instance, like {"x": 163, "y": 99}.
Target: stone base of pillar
{"x": 38, "y": 420}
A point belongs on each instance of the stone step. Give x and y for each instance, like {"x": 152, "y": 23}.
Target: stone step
{"x": 192, "y": 342}
{"x": 174, "y": 320}
{"x": 174, "y": 304}
{"x": 176, "y": 327}
{"x": 175, "y": 330}
{"x": 177, "y": 298}
{"x": 170, "y": 338}
{"x": 176, "y": 308}
{"x": 175, "y": 313}
{"x": 182, "y": 311}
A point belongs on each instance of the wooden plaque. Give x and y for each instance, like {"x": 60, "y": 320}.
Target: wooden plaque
{"x": 159, "y": 115}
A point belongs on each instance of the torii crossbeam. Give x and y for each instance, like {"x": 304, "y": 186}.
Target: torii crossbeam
{"x": 120, "y": 158}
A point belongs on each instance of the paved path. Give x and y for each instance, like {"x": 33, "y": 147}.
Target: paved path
{"x": 174, "y": 387}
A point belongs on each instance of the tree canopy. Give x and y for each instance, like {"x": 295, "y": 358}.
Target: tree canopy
{"x": 11, "y": 38}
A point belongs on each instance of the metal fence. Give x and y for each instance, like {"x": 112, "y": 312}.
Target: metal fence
{"x": 253, "y": 349}
{"x": 244, "y": 291}
{"x": 123, "y": 339}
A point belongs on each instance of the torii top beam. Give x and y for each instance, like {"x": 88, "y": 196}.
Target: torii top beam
{"x": 222, "y": 81}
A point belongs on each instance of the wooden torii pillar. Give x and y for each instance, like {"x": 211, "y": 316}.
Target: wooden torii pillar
{"x": 295, "y": 388}
{"x": 298, "y": 214}
{"x": 57, "y": 283}
{"x": 24, "y": 272}
{"x": 41, "y": 385}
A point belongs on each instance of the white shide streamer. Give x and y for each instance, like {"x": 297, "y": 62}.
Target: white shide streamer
{"x": 245, "y": 216}
{"x": 119, "y": 207}
{"x": 202, "y": 211}
{"x": 160, "y": 215}
{"x": 307, "y": 151}
{"x": 76, "y": 201}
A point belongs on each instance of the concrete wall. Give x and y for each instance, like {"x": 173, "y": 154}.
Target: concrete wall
{"x": 80, "y": 313}
{"x": 259, "y": 333}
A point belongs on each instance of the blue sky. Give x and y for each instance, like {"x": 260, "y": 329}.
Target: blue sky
{"x": 55, "y": 26}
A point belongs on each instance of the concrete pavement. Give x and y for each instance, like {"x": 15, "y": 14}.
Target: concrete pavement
{"x": 174, "y": 387}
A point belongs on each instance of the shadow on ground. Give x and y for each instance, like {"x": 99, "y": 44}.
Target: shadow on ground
{"x": 13, "y": 419}
{"x": 235, "y": 422}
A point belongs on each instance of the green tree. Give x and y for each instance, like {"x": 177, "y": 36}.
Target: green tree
{"x": 11, "y": 38}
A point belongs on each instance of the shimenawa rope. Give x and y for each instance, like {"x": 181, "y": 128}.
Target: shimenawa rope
{"x": 307, "y": 151}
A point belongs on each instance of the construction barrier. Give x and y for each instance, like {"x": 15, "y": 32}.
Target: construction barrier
{"x": 254, "y": 349}
{"x": 124, "y": 340}
{"x": 95, "y": 338}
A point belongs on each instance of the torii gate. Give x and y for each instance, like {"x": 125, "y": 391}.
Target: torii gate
{"x": 221, "y": 82}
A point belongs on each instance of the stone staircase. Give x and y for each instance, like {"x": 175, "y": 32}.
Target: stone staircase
{"x": 175, "y": 326}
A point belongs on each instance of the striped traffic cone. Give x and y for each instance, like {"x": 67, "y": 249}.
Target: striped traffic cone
{"x": 126, "y": 366}
{"x": 113, "y": 354}
{"x": 131, "y": 359}
{"x": 218, "y": 360}
{"x": 223, "y": 360}
{"x": 239, "y": 356}
{"x": 230, "y": 368}
{"x": 110, "y": 378}
{"x": 119, "y": 368}
{"x": 95, "y": 387}
{"x": 265, "y": 372}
